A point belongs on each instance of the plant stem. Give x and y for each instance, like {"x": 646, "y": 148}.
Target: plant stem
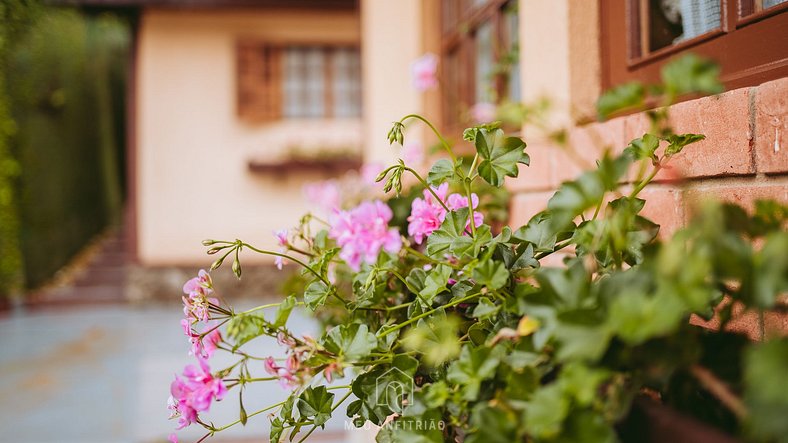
{"x": 426, "y": 314}
{"x": 428, "y": 187}
{"x": 270, "y": 305}
{"x": 295, "y": 260}
{"x": 443, "y": 141}
{"x": 646, "y": 181}
{"x": 248, "y": 416}
{"x": 720, "y": 390}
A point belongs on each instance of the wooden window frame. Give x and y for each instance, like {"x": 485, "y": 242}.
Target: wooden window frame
{"x": 260, "y": 79}
{"x": 459, "y": 37}
{"x": 750, "y": 49}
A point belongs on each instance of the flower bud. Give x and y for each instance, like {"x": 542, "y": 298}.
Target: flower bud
{"x": 215, "y": 265}
{"x": 237, "y": 267}
{"x": 208, "y": 242}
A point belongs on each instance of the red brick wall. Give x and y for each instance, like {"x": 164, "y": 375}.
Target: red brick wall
{"x": 744, "y": 156}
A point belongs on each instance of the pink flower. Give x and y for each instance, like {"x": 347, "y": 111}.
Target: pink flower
{"x": 412, "y": 153}
{"x": 331, "y": 369}
{"x": 369, "y": 172}
{"x": 325, "y": 194}
{"x": 424, "y": 72}
{"x": 363, "y": 231}
{"x": 173, "y": 438}
{"x": 196, "y": 301}
{"x": 483, "y": 112}
{"x": 206, "y": 346}
{"x": 194, "y": 392}
{"x": 287, "y": 375}
{"x": 281, "y": 237}
{"x": 427, "y": 215}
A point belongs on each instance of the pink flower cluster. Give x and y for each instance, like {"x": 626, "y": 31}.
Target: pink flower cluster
{"x": 294, "y": 373}
{"x": 325, "y": 194}
{"x": 427, "y": 214}
{"x": 196, "y": 301}
{"x": 424, "y": 71}
{"x": 203, "y": 346}
{"x": 194, "y": 393}
{"x": 363, "y": 231}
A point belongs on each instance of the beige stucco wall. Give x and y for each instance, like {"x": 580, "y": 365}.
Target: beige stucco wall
{"x": 391, "y": 41}
{"x": 559, "y": 56}
{"x": 192, "y": 150}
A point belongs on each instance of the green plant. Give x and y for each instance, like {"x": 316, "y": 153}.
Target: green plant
{"x": 459, "y": 333}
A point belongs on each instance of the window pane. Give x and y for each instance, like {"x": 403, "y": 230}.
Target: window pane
{"x": 485, "y": 63}
{"x": 304, "y": 82}
{"x": 346, "y": 75}
{"x": 672, "y": 21}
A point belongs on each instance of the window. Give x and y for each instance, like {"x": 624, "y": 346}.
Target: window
{"x": 746, "y": 37}
{"x": 288, "y": 81}
{"x": 479, "y": 48}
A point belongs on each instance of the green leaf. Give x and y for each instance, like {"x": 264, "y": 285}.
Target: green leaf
{"x": 485, "y": 309}
{"x": 435, "y": 283}
{"x": 277, "y": 428}
{"x": 435, "y": 338}
{"x": 245, "y": 327}
{"x": 677, "y": 142}
{"x": 316, "y": 294}
{"x": 546, "y": 411}
{"x": 500, "y": 155}
{"x": 467, "y": 246}
{"x": 770, "y": 271}
{"x": 439, "y": 242}
{"x": 492, "y": 425}
{"x": 491, "y": 273}
{"x": 352, "y": 341}
{"x": 283, "y": 313}
{"x": 644, "y": 147}
{"x": 691, "y": 74}
{"x": 473, "y": 367}
{"x": 766, "y": 392}
{"x": 441, "y": 171}
{"x": 539, "y": 231}
{"x": 626, "y": 96}
{"x": 315, "y": 403}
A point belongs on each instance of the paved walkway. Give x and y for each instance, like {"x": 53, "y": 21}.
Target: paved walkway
{"x": 101, "y": 374}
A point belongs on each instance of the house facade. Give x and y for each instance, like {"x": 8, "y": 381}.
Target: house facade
{"x": 225, "y": 92}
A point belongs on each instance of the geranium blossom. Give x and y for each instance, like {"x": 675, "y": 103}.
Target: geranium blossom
{"x": 325, "y": 194}
{"x": 194, "y": 392}
{"x": 427, "y": 214}
{"x": 412, "y": 153}
{"x": 363, "y": 231}
{"x": 281, "y": 240}
{"x": 424, "y": 71}
{"x": 483, "y": 112}
{"x": 196, "y": 301}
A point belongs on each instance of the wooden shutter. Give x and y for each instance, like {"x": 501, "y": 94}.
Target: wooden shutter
{"x": 259, "y": 81}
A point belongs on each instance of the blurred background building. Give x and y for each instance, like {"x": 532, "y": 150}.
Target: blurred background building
{"x": 231, "y": 107}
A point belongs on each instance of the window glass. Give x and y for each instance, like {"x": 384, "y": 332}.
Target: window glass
{"x": 671, "y": 21}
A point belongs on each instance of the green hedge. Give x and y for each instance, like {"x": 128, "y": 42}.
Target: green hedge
{"x": 65, "y": 80}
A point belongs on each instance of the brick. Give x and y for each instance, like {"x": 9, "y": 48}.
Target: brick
{"x": 742, "y": 193}
{"x": 526, "y": 205}
{"x": 664, "y": 206}
{"x": 771, "y": 124}
{"x": 725, "y": 122}
{"x": 537, "y": 176}
{"x": 723, "y": 119}
{"x": 587, "y": 144}
{"x": 747, "y": 322}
